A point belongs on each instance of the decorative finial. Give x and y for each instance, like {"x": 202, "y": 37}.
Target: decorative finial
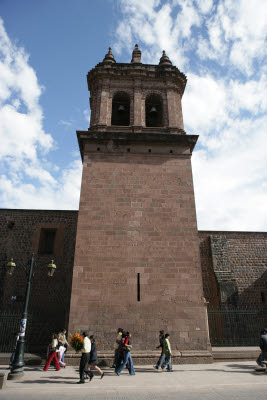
{"x": 109, "y": 58}
{"x": 136, "y": 56}
{"x": 164, "y": 60}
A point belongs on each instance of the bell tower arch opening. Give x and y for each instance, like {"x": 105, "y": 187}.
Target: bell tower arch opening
{"x": 154, "y": 110}
{"x": 120, "y": 109}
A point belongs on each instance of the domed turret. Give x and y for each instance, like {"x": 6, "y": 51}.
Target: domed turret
{"x": 109, "y": 58}
{"x": 136, "y": 56}
{"x": 164, "y": 60}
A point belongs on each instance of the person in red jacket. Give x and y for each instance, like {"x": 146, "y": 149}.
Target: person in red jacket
{"x": 127, "y": 356}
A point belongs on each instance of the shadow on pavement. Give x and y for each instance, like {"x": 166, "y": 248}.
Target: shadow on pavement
{"x": 49, "y": 381}
{"x": 241, "y": 366}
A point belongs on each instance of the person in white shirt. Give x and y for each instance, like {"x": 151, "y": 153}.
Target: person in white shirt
{"x": 63, "y": 344}
{"x": 85, "y": 358}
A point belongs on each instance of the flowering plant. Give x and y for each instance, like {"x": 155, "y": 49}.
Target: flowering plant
{"x": 76, "y": 341}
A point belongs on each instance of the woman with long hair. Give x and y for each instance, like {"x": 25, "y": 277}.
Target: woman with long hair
{"x": 93, "y": 357}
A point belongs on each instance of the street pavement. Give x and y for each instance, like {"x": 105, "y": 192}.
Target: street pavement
{"x": 217, "y": 381}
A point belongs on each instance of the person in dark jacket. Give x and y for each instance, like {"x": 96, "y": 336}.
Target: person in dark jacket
{"x": 162, "y": 355}
{"x": 116, "y": 347}
{"x": 93, "y": 357}
{"x": 261, "y": 356}
{"x": 120, "y": 356}
{"x": 263, "y": 345}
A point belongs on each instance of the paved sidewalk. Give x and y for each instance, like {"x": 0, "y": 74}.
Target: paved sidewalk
{"x": 233, "y": 380}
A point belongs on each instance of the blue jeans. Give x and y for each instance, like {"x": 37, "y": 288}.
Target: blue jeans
{"x": 161, "y": 359}
{"x": 167, "y": 363}
{"x": 127, "y": 361}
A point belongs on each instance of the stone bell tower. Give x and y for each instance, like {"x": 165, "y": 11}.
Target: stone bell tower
{"x": 137, "y": 262}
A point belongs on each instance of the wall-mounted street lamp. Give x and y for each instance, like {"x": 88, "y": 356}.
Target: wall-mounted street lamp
{"x": 10, "y": 267}
{"x": 18, "y": 362}
{"x": 51, "y": 268}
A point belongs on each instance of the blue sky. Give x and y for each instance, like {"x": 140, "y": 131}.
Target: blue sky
{"x": 47, "y": 48}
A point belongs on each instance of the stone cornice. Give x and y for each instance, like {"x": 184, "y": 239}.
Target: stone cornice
{"x": 146, "y": 72}
{"x": 113, "y": 141}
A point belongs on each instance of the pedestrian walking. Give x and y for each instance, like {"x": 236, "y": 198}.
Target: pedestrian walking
{"x": 93, "y": 358}
{"x": 261, "y": 356}
{"x": 85, "y": 357}
{"x": 168, "y": 352}
{"x": 116, "y": 347}
{"x": 62, "y": 341}
{"x": 60, "y": 355}
{"x": 263, "y": 346}
{"x": 127, "y": 356}
{"x": 162, "y": 355}
{"x": 120, "y": 354}
{"x": 52, "y": 355}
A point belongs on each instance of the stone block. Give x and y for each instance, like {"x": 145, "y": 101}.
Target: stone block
{"x": 2, "y": 380}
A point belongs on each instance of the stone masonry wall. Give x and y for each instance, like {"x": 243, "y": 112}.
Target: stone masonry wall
{"x": 50, "y": 297}
{"x": 137, "y": 216}
{"x": 239, "y": 258}
{"x": 210, "y": 288}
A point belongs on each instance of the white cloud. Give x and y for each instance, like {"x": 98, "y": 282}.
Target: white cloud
{"x": 21, "y": 133}
{"x": 24, "y": 142}
{"x": 63, "y": 194}
{"x": 204, "y": 104}
{"x": 187, "y": 18}
{"x": 238, "y": 29}
{"x": 230, "y": 170}
{"x": 250, "y": 95}
{"x": 249, "y": 29}
{"x": 227, "y": 31}
{"x": 152, "y": 24}
{"x": 65, "y": 123}
{"x": 87, "y": 115}
{"x": 230, "y": 187}
{"x": 204, "y": 6}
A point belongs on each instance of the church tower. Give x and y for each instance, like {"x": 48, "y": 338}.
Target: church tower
{"x": 137, "y": 262}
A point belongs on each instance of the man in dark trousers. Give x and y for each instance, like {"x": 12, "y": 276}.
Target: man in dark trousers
{"x": 85, "y": 358}
{"x": 263, "y": 344}
{"x": 162, "y": 356}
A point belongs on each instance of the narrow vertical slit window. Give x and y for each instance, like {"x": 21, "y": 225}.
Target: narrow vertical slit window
{"x": 138, "y": 286}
